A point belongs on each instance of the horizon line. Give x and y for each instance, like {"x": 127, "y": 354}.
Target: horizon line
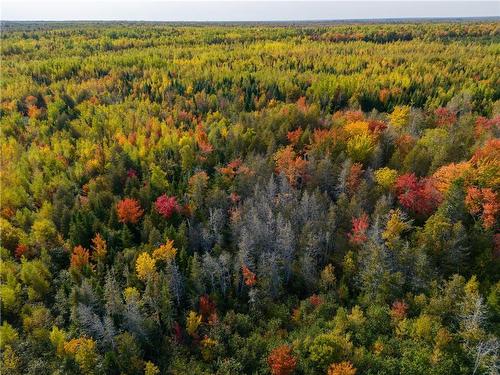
{"x": 263, "y": 21}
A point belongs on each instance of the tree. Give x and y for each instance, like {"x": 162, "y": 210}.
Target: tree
{"x": 8, "y": 335}
{"x": 193, "y": 321}
{"x": 151, "y": 369}
{"x": 197, "y": 189}
{"x": 99, "y": 247}
{"x": 378, "y": 276}
{"x": 328, "y": 278}
{"x": 341, "y": 368}
{"x": 282, "y": 361}
{"x": 295, "y": 135}
{"x": 79, "y": 258}
{"x": 357, "y": 128}
{"x": 358, "y": 233}
{"x": 83, "y": 350}
{"x": 248, "y": 276}
{"x": 447, "y": 174}
{"x": 292, "y": 166}
{"x": 386, "y": 177}
{"x": 207, "y": 348}
{"x": 400, "y": 116}
{"x": 399, "y": 309}
{"x": 166, "y": 206}
{"x": 481, "y": 346}
{"x": 354, "y": 177}
{"x": 10, "y": 361}
{"x": 165, "y": 252}
{"x": 35, "y": 275}
{"x": 206, "y": 306}
{"x": 327, "y": 348}
{"x": 360, "y": 147}
{"x": 145, "y": 266}
{"x": 112, "y": 295}
{"x": 485, "y": 202}
{"x": 129, "y": 211}
{"x": 129, "y": 354}
{"x": 418, "y": 195}
{"x": 445, "y": 241}
{"x": 445, "y": 117}
{"x": 395, "y": 227}
{"x": 44, "y": 232}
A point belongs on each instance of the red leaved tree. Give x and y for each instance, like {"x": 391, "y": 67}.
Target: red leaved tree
{"x": 359, "y": 228}
{"x": 354, "y": 177}
{"x": 21, "y": 249}
{"x": 484, "y": 125}
{"x": 207, "y": 306}
{"x": 445, "y": 117}
{"x": 281, "y": 361}
{"x": 248, "y": 276}
{"x": 417, "y": 195}
{"x": 399, "y": 310}
{"x": 376, "y": 127}
{"x": 315, "y": 300}
{"x": 166, "y": 206}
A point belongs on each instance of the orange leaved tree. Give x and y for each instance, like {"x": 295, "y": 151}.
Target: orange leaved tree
{"x": 281, "y": 361}
{"x": 129, "y": 211}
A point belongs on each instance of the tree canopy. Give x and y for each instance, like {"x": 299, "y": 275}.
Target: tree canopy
{"x": 250, "y": 199}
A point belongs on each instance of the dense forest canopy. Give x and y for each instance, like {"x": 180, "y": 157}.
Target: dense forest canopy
{"x": 250, "y": 199}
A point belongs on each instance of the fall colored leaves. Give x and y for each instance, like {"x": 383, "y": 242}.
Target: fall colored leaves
{"x": 145, "y": 264}
{"x": 129, "y": 210}
{"x": 281, "y": 361}
{"x": 81, "y": 256}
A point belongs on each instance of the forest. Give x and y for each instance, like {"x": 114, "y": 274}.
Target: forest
{"x": 250, "y": 198}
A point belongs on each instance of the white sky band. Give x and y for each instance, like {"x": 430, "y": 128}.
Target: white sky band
{"x": 241, "y": 10}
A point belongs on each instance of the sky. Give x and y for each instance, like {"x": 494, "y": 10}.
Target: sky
{"x": 284, "y": 10}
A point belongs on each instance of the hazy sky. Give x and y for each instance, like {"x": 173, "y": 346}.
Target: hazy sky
{"x": 148, "y": 10}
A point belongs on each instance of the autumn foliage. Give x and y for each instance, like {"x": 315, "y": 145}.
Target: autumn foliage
{"x": 193, "y": 321}
{"x": 417, "y": 195}
{"x": 315, "y": 300}
{"x": 281, "y": 361}
{"x": 248, "y": 276}
{"x": 21, "y": 249}
{"x": 445, "y": 117}
{"x": 484, "y": 125}
{"x": 354, "y": 177}
{"x": 292, "y": 166}
{"x": 99, "y": 247}
{"x": 207, "y": 306}
{"x": 359, "y": 229}
{"x": 399, "y": 310}
{"x": 165, "y": 252}
{"x": 483, "y": 202}
{"x": 166, "y": 206}
{"x": 341, "y": 368}
{"x": 79, "y": 257}
{"x": 144, "y": 266}
{"x": 129, "y": 211}
{"x": 313, "y": 198}
{"x": 294, "y": 136}
{"x": 202, "y": 140}
{"x": 444, "y": 176}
